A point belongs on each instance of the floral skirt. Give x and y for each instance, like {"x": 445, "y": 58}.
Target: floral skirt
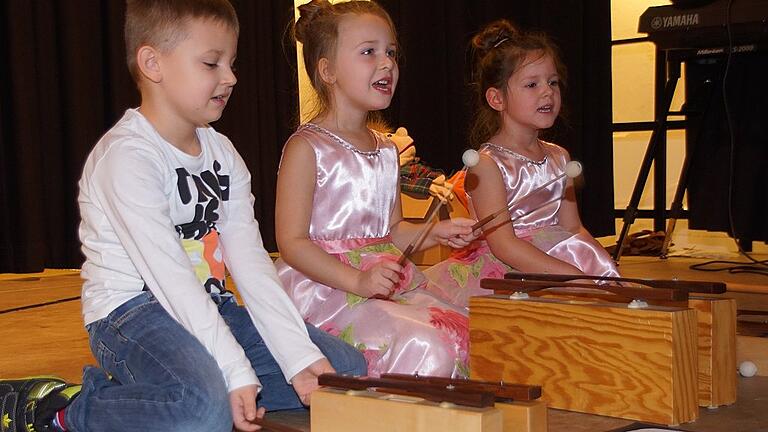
{"x": 458, "y": 278}
{"x": 412, "y": 332}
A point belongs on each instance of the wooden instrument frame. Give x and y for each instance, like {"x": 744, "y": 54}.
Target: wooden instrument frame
{"x": 716, "y": 336}
{"x": 716, "y": 322}
{"x": 422, "y": 403}
{"x": 594, "y": 357}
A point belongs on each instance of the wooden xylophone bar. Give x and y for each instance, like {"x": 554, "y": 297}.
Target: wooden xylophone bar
{"x": 515, "y": 392}
{"x": 701, "y": 287}
{"x": 432, "y": 392}
{"x": 509, "y": 286}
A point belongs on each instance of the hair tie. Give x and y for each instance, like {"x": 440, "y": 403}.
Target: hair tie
{"x": 496, "y": 45}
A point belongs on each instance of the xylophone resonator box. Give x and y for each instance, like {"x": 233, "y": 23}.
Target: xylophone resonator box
{"x": 716, "y": 327}
{"x": 593, "y": 357}
{"x": 335, "y": 410}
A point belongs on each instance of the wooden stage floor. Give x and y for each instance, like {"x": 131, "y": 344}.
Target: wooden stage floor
{"x": 42, "y": 333}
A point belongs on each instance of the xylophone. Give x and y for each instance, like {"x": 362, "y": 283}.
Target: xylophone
{"x": 641, "y": 349}
{"x": 396, "y": 402}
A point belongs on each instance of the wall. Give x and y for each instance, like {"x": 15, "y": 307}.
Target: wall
{"x": 633, "y": 98}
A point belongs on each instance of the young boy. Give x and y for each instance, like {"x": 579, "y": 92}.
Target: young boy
{"x": 165, "y": 203}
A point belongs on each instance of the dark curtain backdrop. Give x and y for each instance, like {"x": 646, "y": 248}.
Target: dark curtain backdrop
{"x": 261, "y": 116}
{"x": 64, "y": 87}
{"x": 65, "y": 83}
{"x": 433, "y": 100}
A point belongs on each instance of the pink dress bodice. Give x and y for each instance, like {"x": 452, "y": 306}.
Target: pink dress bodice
{"x": 345, "y": 207}
{"x": 522, "y": 176}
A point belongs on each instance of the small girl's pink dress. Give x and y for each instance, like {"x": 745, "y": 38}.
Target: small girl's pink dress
{"x": 355, "y": 192}
{"x": 536, "y": 220}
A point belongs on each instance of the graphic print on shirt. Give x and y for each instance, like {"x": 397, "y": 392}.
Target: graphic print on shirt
{"x": 199, "y": 237}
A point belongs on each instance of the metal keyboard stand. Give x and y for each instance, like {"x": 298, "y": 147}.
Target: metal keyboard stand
{"x": 674, "y": 60}
{"x": 659, "y": 133}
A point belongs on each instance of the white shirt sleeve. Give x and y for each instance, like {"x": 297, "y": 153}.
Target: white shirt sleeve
{"x": 131, "y": 183}
{"x": 270, "y": 308}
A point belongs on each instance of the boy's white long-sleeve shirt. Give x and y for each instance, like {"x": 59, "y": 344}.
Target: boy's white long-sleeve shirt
{"x": 139, "y": 195}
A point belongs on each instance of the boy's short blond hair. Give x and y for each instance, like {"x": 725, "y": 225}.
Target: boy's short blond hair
{"x": 161, "y": 23}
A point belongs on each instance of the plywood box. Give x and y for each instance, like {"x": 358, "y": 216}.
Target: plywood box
{"x": 339, "y": 411}
{"x": 716, "y": 328}
{"x": 716, "y": 345}
{"x": 598, "y": 358}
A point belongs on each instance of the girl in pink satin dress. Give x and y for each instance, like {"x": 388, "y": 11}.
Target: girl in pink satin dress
{"x": 518, "y": 81}
{"x": 339, "y": 224}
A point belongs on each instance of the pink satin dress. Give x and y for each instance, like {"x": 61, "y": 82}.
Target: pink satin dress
{"x": 535, "y": 215}
{"x": 355, "y": 192}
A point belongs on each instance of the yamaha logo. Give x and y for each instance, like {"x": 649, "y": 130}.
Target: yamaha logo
{"x": 684, "y": 20}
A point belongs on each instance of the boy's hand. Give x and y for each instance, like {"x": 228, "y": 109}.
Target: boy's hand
{"x": 305, "y": 382}
{"x": 243, "y": 403}
{"x": 456, "y": 233}
{"x": 378, "y": 281}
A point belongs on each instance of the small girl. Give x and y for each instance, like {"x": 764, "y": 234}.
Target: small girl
{"x": 518, "y": 94}
{"x": 339, "y": 223}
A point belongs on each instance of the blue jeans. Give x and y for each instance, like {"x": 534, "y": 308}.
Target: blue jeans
{"x": 155, "y": 376}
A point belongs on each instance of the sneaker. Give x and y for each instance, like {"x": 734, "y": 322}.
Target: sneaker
{"x": 29, "y": 404}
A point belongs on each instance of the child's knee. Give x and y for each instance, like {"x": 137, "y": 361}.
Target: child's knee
{"x": 351, "y": 362}
{"x": 344, "y": 358}
{"x": 218, "y": 416}
{"x": 360, "y": 366}
{"x": 206, "y": 410}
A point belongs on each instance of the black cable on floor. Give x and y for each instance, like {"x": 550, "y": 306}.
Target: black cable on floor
{"x": 733, "y": 267}
{"x": 37, "y": 305}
